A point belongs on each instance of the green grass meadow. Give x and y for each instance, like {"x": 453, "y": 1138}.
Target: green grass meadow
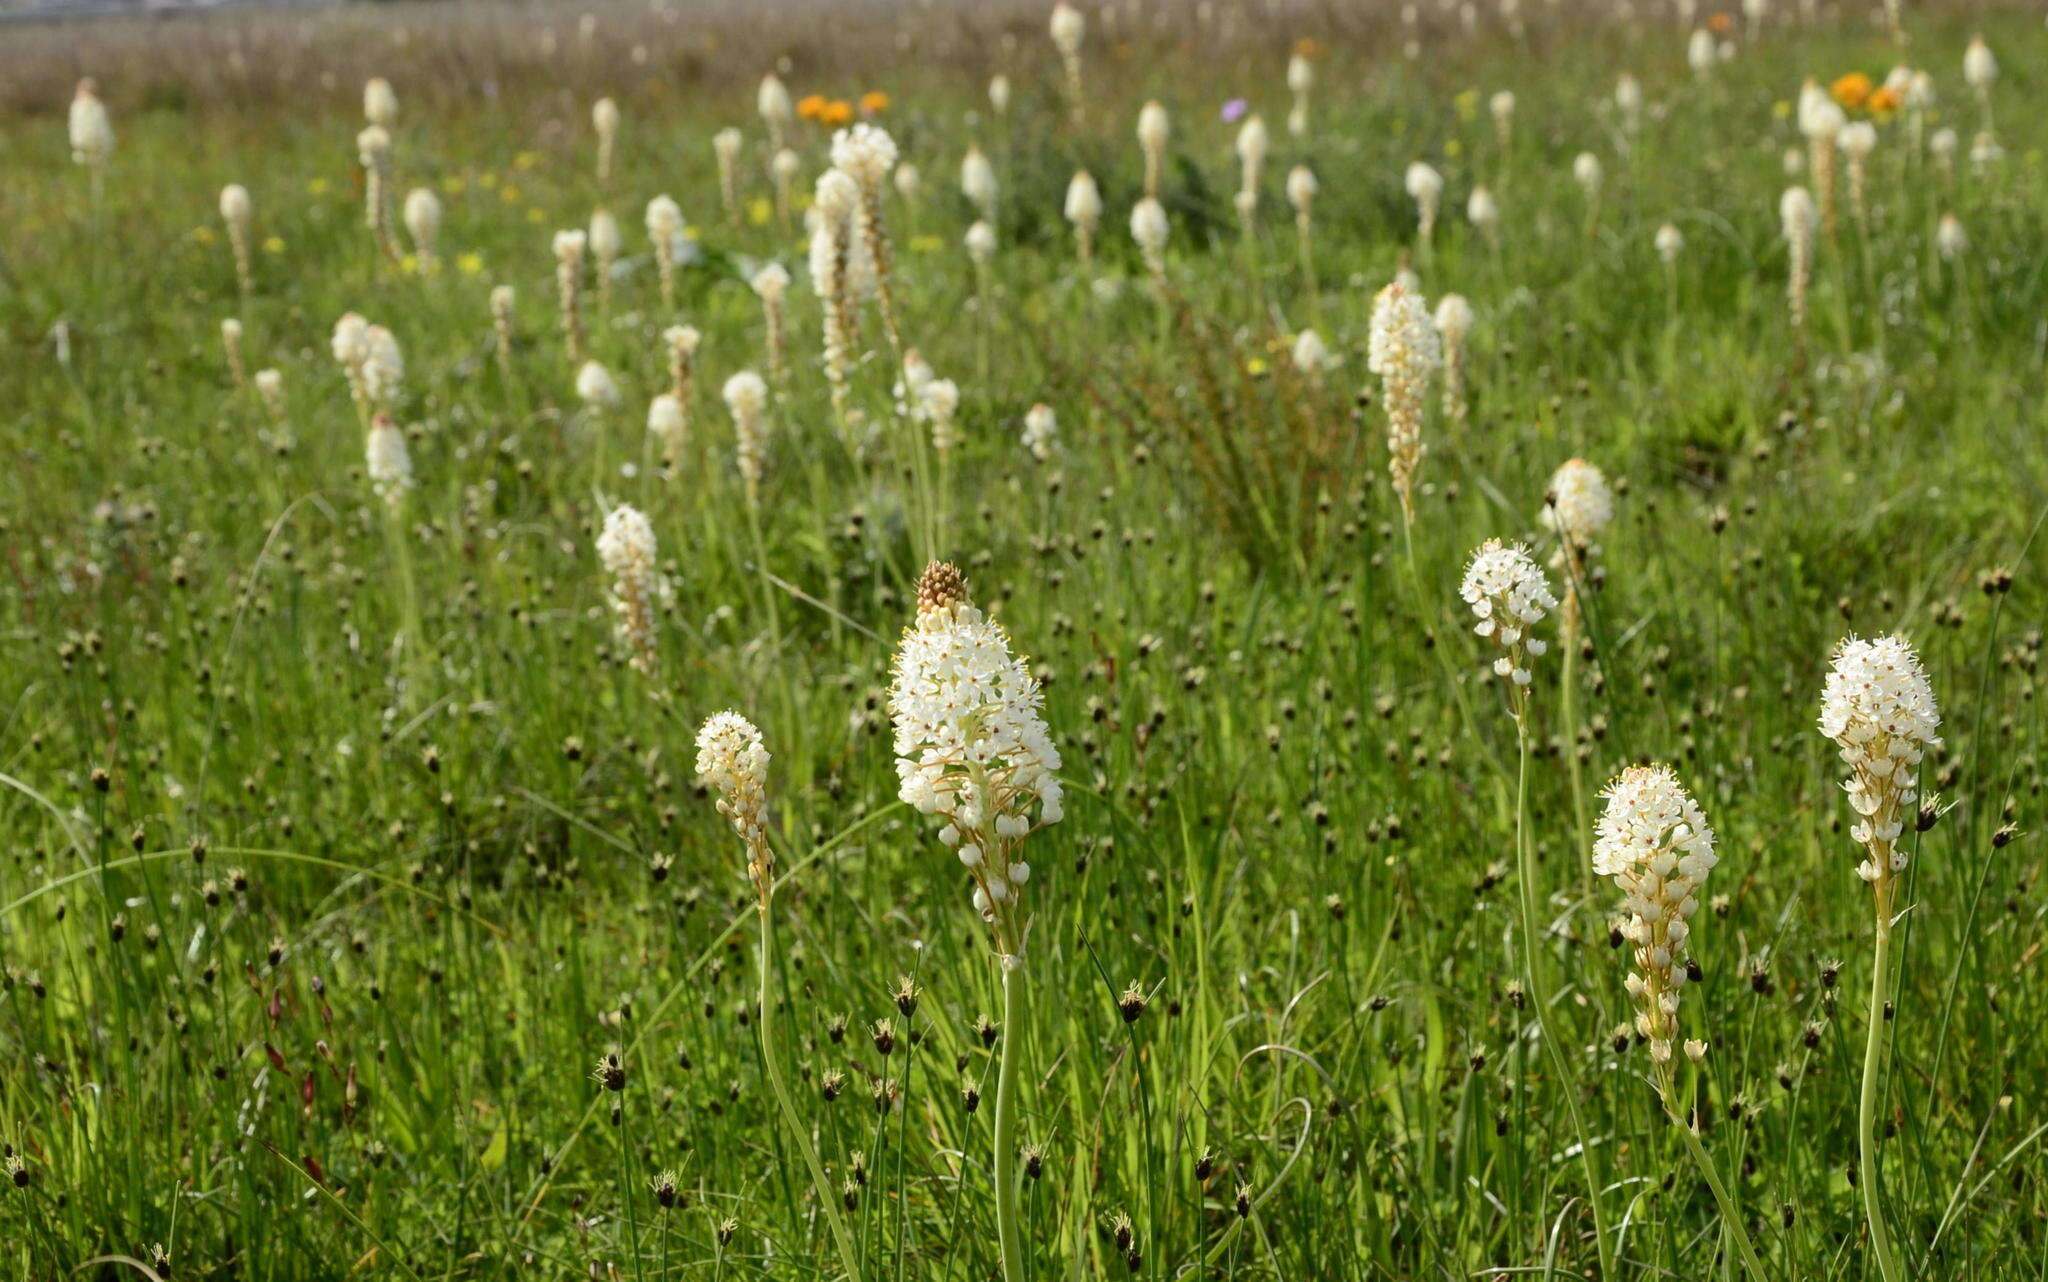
{"x": 339, "y": 841}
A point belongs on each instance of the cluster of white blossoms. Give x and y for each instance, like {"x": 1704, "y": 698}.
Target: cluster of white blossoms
{"x": 373, "y": 149}
{"x": 386, "y": 461}
{"x": 627, "y": 549}
{"x": 423, "y": 223}
{"x": 380, "y": 102}
{"x": 1878, "y": 708}
{"x": 1426, "y": 188}
{"x": 773, "y": 102}
{"x": 1454, "y": 325}
{"x": 1253, "y": 142}
{"x": 370, "y": 359}
{"x": 971, "y": 743}
{"x": 1041, "y": 432}
{"x": 1149, "y": 229}
{"x": 831, "y": 256}
{"x": 596, "y": 387}
{"x": 664, "y": 221}
{"x": 569, "y": 246}
{"x": 1084, "y": 210}
{"x": 746, "y": 396}
{"x": 867, "y": 155}
{"x": 1404, "y": 349}
{"x": 771, "y": 286}
{"x": 604, "y": 120}
{"x": 237, "y": 211}
{"x": 1578, "y": 506}
{"x": 978, "y": 181}
{"x": 1800, "y": 220}
{"x": 981, "y": 243}
{"x": 940, "y": 398}
{"x": 1311, "y": 354}
{"x": 1510, "y": 596}
{"x": 1655, "y": 843}
{"x": 732, "y": 759}
{"x": 668, "y": 425}
{"x": 92, "y": 133}
{"x": 1153, "y": 128}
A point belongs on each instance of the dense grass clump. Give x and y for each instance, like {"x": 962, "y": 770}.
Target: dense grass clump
{"x": 600, "y": 684}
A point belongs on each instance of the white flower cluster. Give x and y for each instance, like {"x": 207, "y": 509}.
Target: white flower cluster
{"x": 596, "y": 388}
{"x": 1149, "y": 229}
{"x": 865, "y": 154}
{"x": 1510, "y": 595}
{"x": 1878, "y": 708}
{"x": 1404, "y": 349}
{"x": 370, "y": 358}
{"x": 732, "y": 759}
{"x": 746, "y": 395}
{"x": 668, "y": 425}
{"x": 1311, "y": 354}
{"x": 1454, "y": 323}
{"x": 626, "y": 548}
{"x": 978, "y": 181}
{"x": 1041, "y": 432}
{"x": 1578, "y": 507}
{"x": 387, "y": 461}
{"x": 1580, "y": 504}
{"x": 1084, "y": 210}
{"x": 92, "y": 133}
{"x": 940, "y": 398}
{"x": 1655, "y": 843}
{"x": 971, "y": 743}
{"x": 1426, "y": 188}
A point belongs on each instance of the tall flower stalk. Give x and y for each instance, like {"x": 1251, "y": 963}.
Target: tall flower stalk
{"x": 569, "y": 249}
{"x": 626, "y": 546}
{"x": 373, "y": 149}
{"x": 502, "y": 299}
{"x": 1454, "y": 325}
{"x": 771, "y": 286}
{"x": 867, "y": 154}
{"x": 972, "y": 752}
{"x": 236, "y": 212}
{"x": 1509, "y": 596}
{"x": 831, "y": 255}
{"x": 1879, "y": 709}
{"x": 1795, "y": 211}
{"x": 1301, "y": 193}
{"x": 1067, "y": 27}
{"x": 1578, "y": 506}
{"x": 1657, "y": 846}
{"x": 1404, "y": 349}
{"x": 1084, "y": 211}
{"x": 664, "y": 219}
{"x": 733, "y": 759}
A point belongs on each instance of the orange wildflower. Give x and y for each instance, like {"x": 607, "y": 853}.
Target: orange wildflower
{"x": 1308, "y": 48}
{"x": 811, "y": 107}
{"x": 1882, "y": 103}
{"x": 837, "y": 112}
{"x": 1721, "y": 24}
{"x": 1852, "y": 90}
{"x": 873, "y": 103}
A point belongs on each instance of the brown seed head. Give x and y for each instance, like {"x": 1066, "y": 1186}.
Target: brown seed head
{"x": 940, "y": 585}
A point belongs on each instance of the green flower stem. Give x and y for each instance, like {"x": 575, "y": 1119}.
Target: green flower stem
{"x": 1866, "y": 1110}
{"x": 1016, "y": 1031}
{"x": 1730, "y": 1217}
{"x": 1525, "y": 856}
{"x": 827, "y": 1199}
